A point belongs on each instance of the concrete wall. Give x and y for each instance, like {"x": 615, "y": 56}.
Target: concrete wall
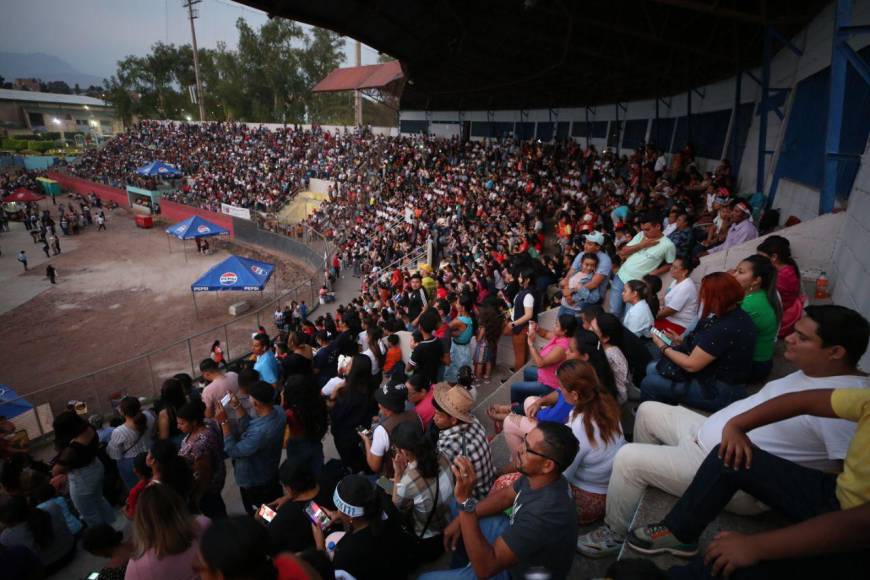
{"x": 319, "y": 185}
{"x": 850, "y": 266}
{"x": 247, "y": 231}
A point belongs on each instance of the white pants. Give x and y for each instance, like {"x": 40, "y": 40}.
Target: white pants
{"x": 666, "y": 456}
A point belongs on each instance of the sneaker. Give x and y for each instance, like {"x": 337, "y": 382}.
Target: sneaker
{"x": 600, "y": 543}
{"x": 658, "y": 539}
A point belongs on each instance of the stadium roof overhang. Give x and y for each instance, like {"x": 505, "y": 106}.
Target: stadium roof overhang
{"x": 387, "y": 77}
{"x": 521, "y": 54}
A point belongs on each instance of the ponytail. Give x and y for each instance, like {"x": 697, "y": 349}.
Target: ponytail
{"x": 653, "y": 287}
{"x": 131, "y": 407}
{"x": 763, "y": 268}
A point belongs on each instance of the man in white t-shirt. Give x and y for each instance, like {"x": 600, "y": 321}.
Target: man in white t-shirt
{"x": 391, "y": 406}
{"x": 671, "y": 441}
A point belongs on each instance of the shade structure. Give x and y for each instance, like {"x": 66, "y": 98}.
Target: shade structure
{"x": 49, "y": 186}
{"x": 235, "y": 274}
{"x": 22, "y": 195}
{"x": 11, "y": 405}
{"x": 195, "y": 227}
{"x": 159, "y": 169}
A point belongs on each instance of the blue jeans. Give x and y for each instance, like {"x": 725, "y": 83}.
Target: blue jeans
{"x": 125, "y": 470}
{"x": 616, "y": 303}
{"x": 86, "y": 493}
{"x": 492, "y": 527}
{"x": 528, "y": 387}
{"x": 710, "y": 397}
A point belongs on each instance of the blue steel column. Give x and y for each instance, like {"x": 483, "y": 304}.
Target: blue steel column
{"x": 764, "y": 109}
{"x": 836, "y": 100}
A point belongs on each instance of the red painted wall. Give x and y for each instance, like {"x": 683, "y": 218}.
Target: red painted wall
{"x": 173, "y": 212}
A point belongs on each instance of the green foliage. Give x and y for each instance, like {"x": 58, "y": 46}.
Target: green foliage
{"x": 268, "y": 78}
{"x": 14, "y": 144}
{"x": 40, "y": 146}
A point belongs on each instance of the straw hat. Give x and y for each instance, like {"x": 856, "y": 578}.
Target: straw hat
{"x": 456, "y": 401}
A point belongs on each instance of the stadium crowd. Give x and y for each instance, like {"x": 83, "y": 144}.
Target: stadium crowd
{"x": 625, "y": 391}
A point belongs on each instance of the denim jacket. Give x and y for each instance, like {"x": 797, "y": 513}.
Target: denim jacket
{"x": 257, "y": 452}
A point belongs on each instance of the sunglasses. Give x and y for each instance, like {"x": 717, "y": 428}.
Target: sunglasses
{"x": 531, "y": 451}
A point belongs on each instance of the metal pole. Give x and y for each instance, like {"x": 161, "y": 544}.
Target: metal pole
{"x": 151, "y": 376}
{"x": 192, "y": 15}
{"x": 190, "y": 352}
{"x": 227, "y": 343}
{"x": 836, "y": 101}
{"x": 764, "y": 109}
{"x": 357, "y": 95}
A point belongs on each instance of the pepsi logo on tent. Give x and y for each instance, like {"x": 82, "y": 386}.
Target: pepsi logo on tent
{"x": 229, "y": 278}
{"x": 258, "y": 270}
{"x": 203, "y": 229}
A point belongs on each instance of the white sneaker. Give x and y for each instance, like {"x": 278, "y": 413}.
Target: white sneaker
{"x": 600, "y": 543}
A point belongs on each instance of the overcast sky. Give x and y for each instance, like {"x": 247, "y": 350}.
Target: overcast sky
{"x": 92, "y": 35}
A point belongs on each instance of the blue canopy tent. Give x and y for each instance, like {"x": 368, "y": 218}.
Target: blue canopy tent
{"x": 194, "y": 228}
{"x": 235, "y": 274}
{"x": 11, "y": 404}
{"x": 159, "y": 169}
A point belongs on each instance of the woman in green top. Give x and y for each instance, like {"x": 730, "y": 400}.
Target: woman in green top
{"x": 757, "y": 275}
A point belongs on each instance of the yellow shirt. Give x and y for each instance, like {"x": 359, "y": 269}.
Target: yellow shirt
{"x": 853, "y": 485}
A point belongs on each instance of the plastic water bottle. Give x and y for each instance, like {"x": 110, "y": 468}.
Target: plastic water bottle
{"x": 822, "y": 286}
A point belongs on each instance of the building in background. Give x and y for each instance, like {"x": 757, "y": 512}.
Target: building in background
{"x": 27, "y": 112}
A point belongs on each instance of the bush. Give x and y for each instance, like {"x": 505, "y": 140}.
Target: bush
{"x": 40, "y": 146}
{"x": 14, "y": 144}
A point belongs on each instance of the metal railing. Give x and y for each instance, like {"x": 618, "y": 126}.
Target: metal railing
{"x": 410, "y": 261}
{"x": 143, "y": 375}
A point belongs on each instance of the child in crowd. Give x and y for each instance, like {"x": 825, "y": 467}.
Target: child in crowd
{"x": 143, "y": 472}
{"x": 575, "y": 295}
{"x": 394, "y": 353}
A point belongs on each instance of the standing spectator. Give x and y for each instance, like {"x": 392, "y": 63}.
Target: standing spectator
{"x": 51, "y": 274}
{"x": 421, "y": 395}
{"x": 130, "y": 439}
{"x": 352, "y": 409}
{"x": 219, "y": 385}
{"x": 290, "y": 529}
{"x": 426, "y": 358}
{"x": 257, "y": 451}
{"x": 461, "y": 434}
{"x": 77, "y": 462}
{"x": 202, "y": 447}
{"x": 172, "y": 398}
{"x": 649, "y": 252}
{"x": 307, "y": 421}
{"x": 265, "y": 362}
{"x": 101, "y": 222}
{"x": 217, "y": 353}
{"x": 165, "y": 537}
{"x": 524, "y": 309}
{"x": 22, "y": 257}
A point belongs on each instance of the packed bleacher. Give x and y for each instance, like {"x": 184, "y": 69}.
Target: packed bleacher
{"x": 632, "y": 386}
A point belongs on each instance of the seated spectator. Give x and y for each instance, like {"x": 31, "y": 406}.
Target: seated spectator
{"x": 461, "y": 434}
{"x": 44, "y": 532}
{"x": 422, "y": 488}
{"x": 203, "y": 448}
{"x": 671, "y": 442}
{"x": 576, "y": 293}
{"x": 681, "y": 299}
{"x": 144, "y": 473}
{"x": 539, "y": 378}
{"x": 391, "y": 408}
{"x": 104, "y": 541}
{"x": 21, "y": 562}
{"x": 421, "y": 395}
{"x": 307, "y": 421}
{"x": 257, "y": 451}
{"x": 830, "y": 536}
{"x": 165, "y": 537}
{"x": 707, "y": 368}
{"x": 237, "y": 549}
{"x": 741, "y": 229}
{"x": 757, "y": 276}
{"x": 541, "y": 503}
{"x": 638, "y": 315}
{"x": 369, "y": 547}
{"x": 682, "y": 236}
{"x": 788, "y": 281}
{"x": 593, "y": 243}
{"x": 45, "y": 495}
{"x": 352, "y": 408}
{"x": 290, "y": 529}
{"x": 610, "y": 332}
{"x": 131, "y": 438}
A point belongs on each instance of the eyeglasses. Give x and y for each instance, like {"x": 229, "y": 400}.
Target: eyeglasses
{"x": 527, "y": 449}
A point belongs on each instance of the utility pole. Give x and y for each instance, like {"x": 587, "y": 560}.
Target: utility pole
{"x": 193, "y": 15}
{"x": 357, "y": 95}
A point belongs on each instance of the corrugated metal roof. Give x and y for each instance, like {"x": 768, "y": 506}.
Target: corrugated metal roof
{"x": 13, "y": 95}
{"x": 373, "y": 76}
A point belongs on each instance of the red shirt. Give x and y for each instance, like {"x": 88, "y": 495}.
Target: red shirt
{"x": 425, "y": 410}
{"x": 133, "y": 497}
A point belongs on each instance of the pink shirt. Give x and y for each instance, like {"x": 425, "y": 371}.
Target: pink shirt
{"x": 424, "y": 408}
{"x": 547, "y": 374}
{"x": 177, "y": 567}
{"x": 215, "y": 390}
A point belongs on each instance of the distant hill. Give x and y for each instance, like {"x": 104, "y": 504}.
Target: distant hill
{"x": 15, "y": 65}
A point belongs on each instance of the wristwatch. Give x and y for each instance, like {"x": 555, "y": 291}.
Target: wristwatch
{"x": 468, "y": 505}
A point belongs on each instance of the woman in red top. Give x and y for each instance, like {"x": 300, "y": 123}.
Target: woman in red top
{"x": 788, "y": 281}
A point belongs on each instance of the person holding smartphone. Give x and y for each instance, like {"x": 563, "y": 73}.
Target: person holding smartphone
{"x": 289, "y": 530}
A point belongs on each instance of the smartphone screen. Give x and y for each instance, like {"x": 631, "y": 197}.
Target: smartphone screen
{"x": 225, "y": 400}
{"x": 267, "y": 513}
{"x": 317, "y": 515}
{"x": 94, "y": 576}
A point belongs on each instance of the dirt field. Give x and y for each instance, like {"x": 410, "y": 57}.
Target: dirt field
{"x": 120, "y": 293}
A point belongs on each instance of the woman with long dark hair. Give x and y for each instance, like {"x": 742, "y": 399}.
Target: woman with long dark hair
{"x": 352, "y": 408}
{"x": 307, "y": 420}
{"x": 422, "y": 487}
{"x": 203, "y": 448}
{"x": 610, "y": 331}
{"x": 77, "y": 462}
{"x": 130, "y": 439}
{"x": 788, "y": 281}
{"x": 461, "y": 332}
{"x": 172, "y": 398}
{"x": 757, "y": 276}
